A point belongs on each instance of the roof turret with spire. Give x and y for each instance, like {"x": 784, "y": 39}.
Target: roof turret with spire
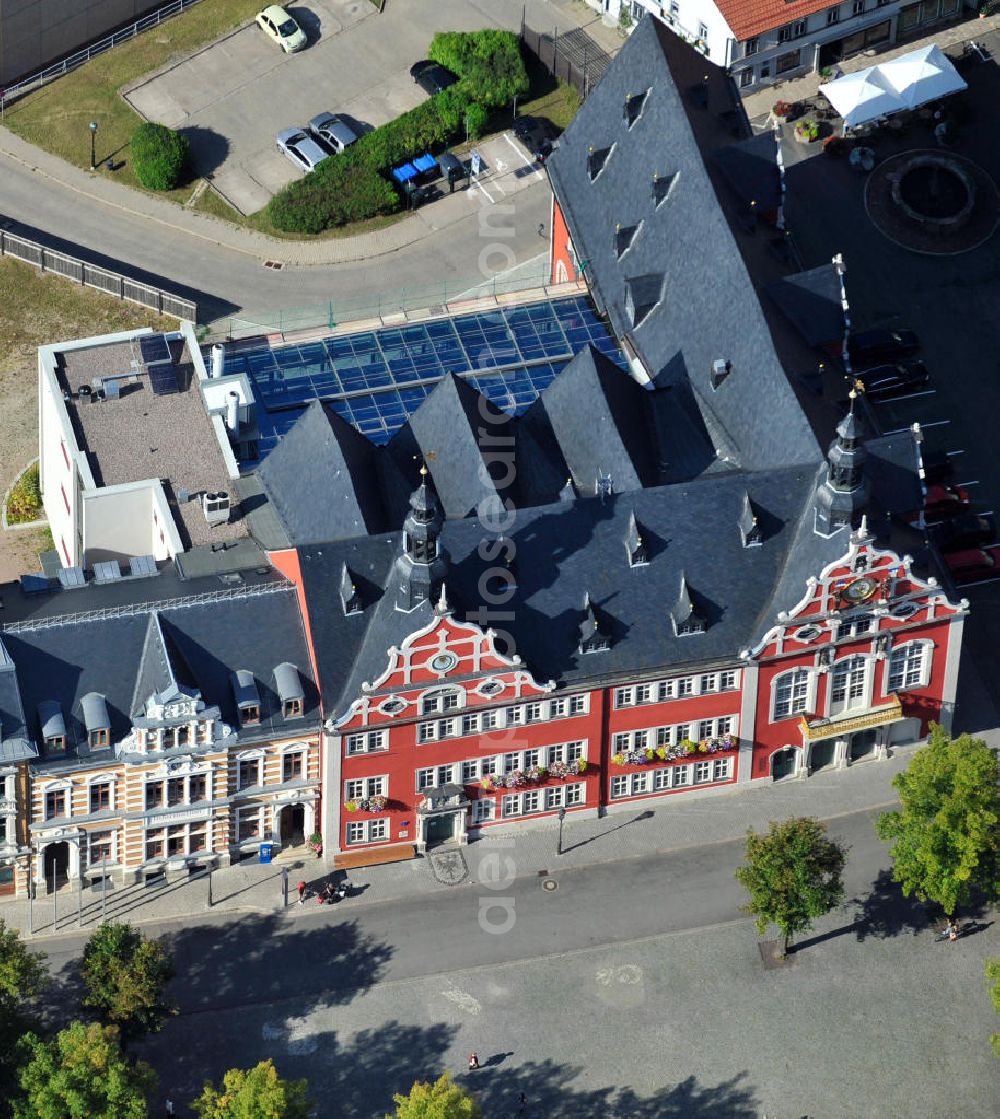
{"x": 843, "y": 493}
{"x": 422, "y": 564}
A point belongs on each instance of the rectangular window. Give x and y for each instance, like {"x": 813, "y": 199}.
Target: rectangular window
{"x": 721, "y": 769}
{"x": 154, "y": 794}
{"x": 448, "y": 728}
{"x": 511, "y": 806}
{"x": 248, "y": 774}
{"x": 574, "y": 750}
{"x": 751, "y": 46}
{"x": 427, "y": 732}
{"x": 532, "y": 757}
{"x": 725, "y": 725}
{"x": 685, "y": 686}
{"x": 292, "y": 708}
{"x": 293, "y": 765}
{"x": 575, "y": 794}
{"x": 100, "y": 796}
{"x": 378, "y": 829}
{"x": 530, "y": 800}
{"x": 579, "y": 704}
{"x": 354, "y": 790}
{"x": 791, "y": 693}
{"x": 370, "y": 742}
{"x": 702, "y": 772}
{"x": 533, "y": 713}
{"x": 470, "y": 772}
{"x": 482, "y": 810}
{"x": 247, "y": 824}
{"x": 832, "y": 17}
{"x": 99, "y": 847}
{"x": 154, "y": 843}
{"x": 249, "y": 715}
{"x": 555, "y": 754}
{"x": 55, "y": 804}
{"x": 355, "y": 831}
{"x": 786, "y": 62}
{"x": 624, "y": 697}
{"x": 554, "y": 797}
{"x": 706, "y": 728}
{"x": 619, "y": 786}
{"x": 100, "y": 738}
{"x": 197, "y": 788}
{"x": 557, "y": 708}
{"x": 727, "y": 681}
{"x": 445, "y": 774}
{"x": 682, "y": 775}
{"x": 197, "y": 838}
{"x": 906, "y": 666}
{"x": 703, "y": 31}
{"x": 491, "y": 720}
{"x": 707, "y": 683}
{"x": 661, "y": 779}
{"x": 858, "y": 8}
{"x": 488, "y": 765}
{"x": 621, "y": 742}
{"x": 470, "y": 724}
{"x": 175, "y": 791}
{"x": 515, "y": 716}
{"x": 425, "y": 779}
{"x": 640, "y": 782}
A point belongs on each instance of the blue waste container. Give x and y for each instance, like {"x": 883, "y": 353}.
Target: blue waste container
{"x": 266, "y": 850}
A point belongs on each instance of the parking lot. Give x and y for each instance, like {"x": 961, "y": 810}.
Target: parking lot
{"x": 232, "y": 98}
{"x": 952, "y": 302}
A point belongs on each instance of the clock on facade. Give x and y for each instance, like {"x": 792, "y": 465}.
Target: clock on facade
{"x": 860, "y": 590}
{"x": 443, "y": 662}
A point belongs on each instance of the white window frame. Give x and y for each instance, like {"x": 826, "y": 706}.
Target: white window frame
{"x": 579, "y": 704}
{"x": 113, "y": 857}
{"x": 926, "y": 654}
{"x": 241, "y": 759}
{"x": 366, "y": 742}
{"x": 429, "y": 773}
{"x": 856, "y": 692}
{"x": 101, "y": 779}
{"x": 246, "y": 810}
{"x": 484, "y": 810}
{"x": 64, "y": 787}
{"x": 375, "y": 830}
{"x": 303, "y": 751}
{"x": 575, "y": 794}
{"x": 435, "y": 702}
{"x": 797, "y": 705}
{"x": 370, "y": 787}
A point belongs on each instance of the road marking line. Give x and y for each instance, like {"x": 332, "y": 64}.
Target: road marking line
{"x": 524, "y": 159}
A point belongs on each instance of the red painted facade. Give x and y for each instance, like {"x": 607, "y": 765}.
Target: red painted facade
{"x": 562, "y": 256}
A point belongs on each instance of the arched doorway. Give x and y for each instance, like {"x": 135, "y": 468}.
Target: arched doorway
{"x": 292, "y": 825}
{"x": 862, "y": 745}
{"x": 783, "y": 763}
{"x": 56, "y": 858}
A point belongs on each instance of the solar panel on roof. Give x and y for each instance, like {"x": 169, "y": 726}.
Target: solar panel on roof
{"x": 72, "y": 577}
{"x": 107, "y": 572}
{"x": 153, "y": 347}
{"x": 142, "y": 565}
{"x": 163, "y": 378}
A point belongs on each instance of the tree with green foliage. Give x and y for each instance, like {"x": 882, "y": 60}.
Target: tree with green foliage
{"x": 440, "y": 1100}
{"x": 82, "y": 1074}
{"x": 125, "y": 975}
{"x": 992, "y": 969}
{"x": 22, "y": 978}
{"x": 793, "y": 875}
{"x": 945, "y": 838}
{"x": 159, "y": 156}
{"x": 257, "y": 1093}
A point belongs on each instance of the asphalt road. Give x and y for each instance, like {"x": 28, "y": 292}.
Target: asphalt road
{"x": 224, "y": 281}
{"x": 362, "y": 999}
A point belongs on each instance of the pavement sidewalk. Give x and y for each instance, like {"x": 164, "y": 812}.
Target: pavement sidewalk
{"x": 672, "y": 823}
{"x": 759, "y": 104}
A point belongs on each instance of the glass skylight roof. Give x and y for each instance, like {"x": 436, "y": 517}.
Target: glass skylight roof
{"x": 377, "y": 379}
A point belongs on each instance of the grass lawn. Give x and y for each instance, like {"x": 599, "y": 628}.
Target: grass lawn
{"x": 35, "y": 309}
{"x": 55, "y": 118}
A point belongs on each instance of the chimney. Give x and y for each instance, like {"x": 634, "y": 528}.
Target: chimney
{"x": 218, "y": 359}
{"x": 720, "y": 371}
{"x": 233, "y": 412}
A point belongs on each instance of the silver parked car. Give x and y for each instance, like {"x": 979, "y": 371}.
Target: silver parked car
{"x": 333, "y": 130}
{"x": 301, "y": 149}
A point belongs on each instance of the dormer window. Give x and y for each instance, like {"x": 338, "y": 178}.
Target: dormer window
{"x": 663, "y": 186}
{"x": 288, "y": 685}
{"x": 440, "y": 702}
{"x": 635, "y": 544}
{"x": 749, "y": 523}
{"x": 642, "y": 295}
{"x": 597, "y": 159}
{"x": 684, "y": 616}
{"x": 96, "y": 720}
{"x": 247, "y": 698}
{"x": 53, "y": 727}
{"x": 593, "y": 638}
{"x": 692, "y": 625}
{"x": 624, "y": 236}
{"x": 633, "y": 107}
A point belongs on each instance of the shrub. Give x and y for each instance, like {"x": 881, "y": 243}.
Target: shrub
{"x": 342, "y": 189}
{"x": 488, "y": 62}
{"x": 25, "y": 501}
{"x": 159, "y": 156}
{"x": 475, "y": 121}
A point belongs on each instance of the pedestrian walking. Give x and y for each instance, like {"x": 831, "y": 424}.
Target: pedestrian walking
{"x": 952, "y": 929}
{"x": 170, "y": 1109}
{"x": 473, "y": 1062}
{"x": 522, "y": 1104}
{"x": 301, "y": 887}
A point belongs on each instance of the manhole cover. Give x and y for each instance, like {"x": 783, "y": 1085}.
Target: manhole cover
{"x": 277, "y": 265}
{"x": 550, "y": 884}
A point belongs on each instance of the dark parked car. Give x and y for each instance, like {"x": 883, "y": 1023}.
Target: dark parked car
{"x": 431, "y": 76}
{"x": 968, "y": 531}
{"x": 943, "y": 502}
{"x": 881, "y": 345}
{"x": 972, "y": 565}
{"x": 884, "y": 382}
{"x": 537, "y": 135}
{"x": 332, "y": 131}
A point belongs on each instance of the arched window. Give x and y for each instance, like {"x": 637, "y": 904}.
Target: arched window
{"x": 909, "y": 665}
{"x": 792, "y": 693}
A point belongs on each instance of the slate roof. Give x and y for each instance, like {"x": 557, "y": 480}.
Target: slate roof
{"x": 812, "y": 302}
{"x": 751, "y": 169}
{"x": 709, "y": 308}
{"x": 14, "y": 743}
{"x": 125, "y": 653}
{"x": 566, "y": 551}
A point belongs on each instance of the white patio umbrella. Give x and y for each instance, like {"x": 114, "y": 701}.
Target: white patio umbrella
{"x": 863, "y": 96}
{"x": 922, "y": 75}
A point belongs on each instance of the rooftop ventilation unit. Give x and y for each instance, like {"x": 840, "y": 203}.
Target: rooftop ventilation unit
{"x": 218, "y": 359}
{"x": 720, "y": 371}
{"x": 215, "y": 506}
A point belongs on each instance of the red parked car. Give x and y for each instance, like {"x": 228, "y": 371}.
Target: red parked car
{"x": 942, "y": 502}
{"x": 972, "y": 565}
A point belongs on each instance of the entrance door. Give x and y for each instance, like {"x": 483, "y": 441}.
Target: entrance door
{"x": 292, "y": 825}
{"x": 783, "y": 764}
{"x": 56, "y": 858}
{"x": 440, "y": 829}
{"x": 821, "y": 754}
{"x": 862, "y": 745}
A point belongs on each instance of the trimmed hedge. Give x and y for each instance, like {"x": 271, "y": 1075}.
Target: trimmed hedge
{"x": 355, "y": 185}
{"x": 159, "y": 156}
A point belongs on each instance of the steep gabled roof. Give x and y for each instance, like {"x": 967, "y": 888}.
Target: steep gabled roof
{"x": 708, "y": 308}
{"x": 751, "y": 169}
{"x": 813, "y": 303}
{"x": 14, "y": 743}
{"x": 321, "y": 480}
{"x": 444, "y": 432}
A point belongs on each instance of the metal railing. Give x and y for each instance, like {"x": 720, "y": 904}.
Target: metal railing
{"x": 388, "y": 308}
{"x": 91, "y": 276}
{"x": 78, "y": 58}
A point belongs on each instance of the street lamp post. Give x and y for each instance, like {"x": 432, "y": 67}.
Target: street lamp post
{"x": 515, "y": 106}
{"x": 562, "y": 816}
{"x": 93, "y": 145}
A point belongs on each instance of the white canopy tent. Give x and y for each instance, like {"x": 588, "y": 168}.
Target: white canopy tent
{"x": 906, "y": 82}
